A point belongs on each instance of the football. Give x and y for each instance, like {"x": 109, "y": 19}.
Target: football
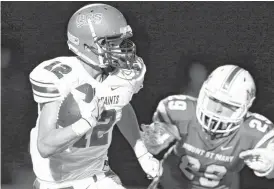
{"x": 69, "y": 111}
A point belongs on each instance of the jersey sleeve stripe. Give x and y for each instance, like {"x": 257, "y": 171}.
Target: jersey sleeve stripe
{"x": 45, "y": 96}
{"x": 52, "y": 90}
{"x": 265, "y": 138}
{"x": 39, "y": 82}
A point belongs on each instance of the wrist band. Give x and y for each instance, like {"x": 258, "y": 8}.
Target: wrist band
{"x": 81, "y": 127}
{"x": 140, "y": 149}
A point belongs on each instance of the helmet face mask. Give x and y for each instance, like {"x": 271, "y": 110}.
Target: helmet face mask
{"x": 219, "y": 117}
{"x": 117, "y": 52}
{"x": 98, "y": 34}
{"x": 221, "y": 109}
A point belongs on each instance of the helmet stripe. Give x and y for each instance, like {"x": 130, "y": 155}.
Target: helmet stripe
{"x": 231, "y": 77}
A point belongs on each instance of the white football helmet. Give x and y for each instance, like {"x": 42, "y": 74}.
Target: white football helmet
{"x": 224, "y": 99}
{"x": 99, "y": 35}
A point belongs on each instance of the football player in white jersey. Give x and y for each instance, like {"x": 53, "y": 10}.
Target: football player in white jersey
{"x": 68, "y": 152}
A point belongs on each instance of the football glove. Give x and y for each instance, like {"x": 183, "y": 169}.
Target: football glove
{"x": 90, "y": 112}
{"x": 149, "y": 164}
{"x": 157, "y": 136}
{"x": 261, "y": 160}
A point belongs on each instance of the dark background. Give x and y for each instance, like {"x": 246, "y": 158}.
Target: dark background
{"x": 169, "y": 36}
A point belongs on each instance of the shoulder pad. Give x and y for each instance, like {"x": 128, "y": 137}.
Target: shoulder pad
{"x": 258, "y": 129}
{"x": 140, "y": 71}
{"x": 175, "y": 108}
{"x": 47, "y": 79}
{"x": 133, "y": 79}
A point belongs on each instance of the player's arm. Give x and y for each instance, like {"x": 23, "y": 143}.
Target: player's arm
{"x": 51, "y": 139}
{"x": 269, "y": 152}
{"x": 157, "y": 137}
{"x": 162, "y": 131}
{"x": 48, "y": 92}
{"x": 129, "y": 127}
{"x": 261, "y": 157}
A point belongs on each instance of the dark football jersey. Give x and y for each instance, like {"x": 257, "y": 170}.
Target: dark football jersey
{"x": 199, "y": 162}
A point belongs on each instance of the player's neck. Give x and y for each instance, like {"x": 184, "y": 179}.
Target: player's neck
{"x": 94, "y": 71}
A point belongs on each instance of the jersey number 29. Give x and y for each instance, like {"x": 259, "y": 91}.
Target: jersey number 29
{"x": 212, "y": 174}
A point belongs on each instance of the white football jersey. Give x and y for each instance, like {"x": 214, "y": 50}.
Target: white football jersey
{"x": 50, "y": 81}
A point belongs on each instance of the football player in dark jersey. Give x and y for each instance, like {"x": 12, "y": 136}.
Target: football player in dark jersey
{"x": 215, "y": 134}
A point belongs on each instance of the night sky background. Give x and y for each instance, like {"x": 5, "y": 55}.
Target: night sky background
{"x": 169, "y": 36}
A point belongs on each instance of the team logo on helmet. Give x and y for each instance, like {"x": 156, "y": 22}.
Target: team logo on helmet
{"x": 82, "y": 19}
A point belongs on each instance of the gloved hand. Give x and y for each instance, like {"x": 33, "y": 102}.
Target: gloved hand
{"x": 90, "y": 112}
{"x": 149, "y": 164}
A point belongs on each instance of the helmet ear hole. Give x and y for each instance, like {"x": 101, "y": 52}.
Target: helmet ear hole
{"x": 87, "y": 48}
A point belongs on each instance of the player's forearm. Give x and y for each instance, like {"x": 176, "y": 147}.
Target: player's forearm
{"x": 57, "y": 140}
{"x": 129, "y": 126}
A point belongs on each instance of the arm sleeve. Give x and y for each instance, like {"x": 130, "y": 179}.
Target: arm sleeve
{"x": 45, "y": 84}
{"x": 170, "y": 121}
{"x": 263, "y": 137}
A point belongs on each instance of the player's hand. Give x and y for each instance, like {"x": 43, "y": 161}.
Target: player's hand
{"x": 90, "y": 111}
{"x": 65, "y": 89}
{"x": 150, "y": 165}
{"x": 261, "y": 160}
{"x": 157, "y": 136}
